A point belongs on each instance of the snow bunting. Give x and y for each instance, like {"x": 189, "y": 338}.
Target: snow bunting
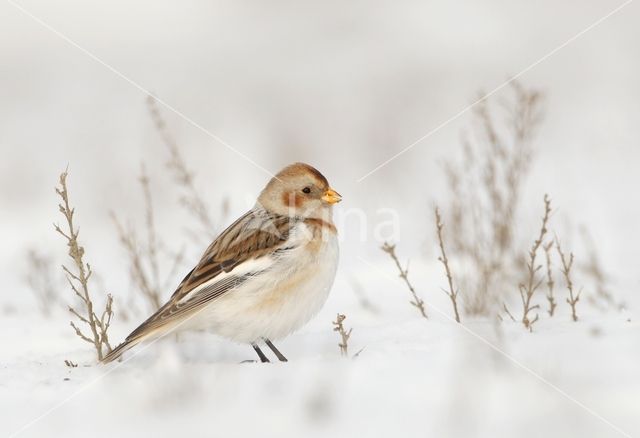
{"x": 265, "y": 276}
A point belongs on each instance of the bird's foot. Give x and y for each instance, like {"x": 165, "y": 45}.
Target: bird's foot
{"x": 273, "y": 348}
{"x": 261, "y": 355}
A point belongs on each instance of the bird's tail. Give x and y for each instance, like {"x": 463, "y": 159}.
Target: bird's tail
{"x": 120, "y": 349}
{"x": 152, "y": 328}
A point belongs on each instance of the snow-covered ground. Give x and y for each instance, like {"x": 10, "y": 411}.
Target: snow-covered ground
{"x": 344, "y": 86}
{"x": 412, "y": 378}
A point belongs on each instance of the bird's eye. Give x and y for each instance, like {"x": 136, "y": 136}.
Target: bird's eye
{"x": 306, "y": 190}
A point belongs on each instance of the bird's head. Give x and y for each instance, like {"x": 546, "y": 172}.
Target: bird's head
{"x": 299, "y": 190}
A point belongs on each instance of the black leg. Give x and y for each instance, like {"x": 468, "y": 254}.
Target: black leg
{"x": 279, "y": 355}
{"x": 261, "y": 355}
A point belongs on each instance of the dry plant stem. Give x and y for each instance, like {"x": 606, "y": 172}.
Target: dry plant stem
{"x": 506, "y": 310}
{"x": 567, "y": 264}
{"x": 137, "y": 270}
{"x": 485, "y": 190}
{"x": 595, "y": 270}
{"x": 40, "y": 280}
{"x": 152, "y": 236}
{"x": 404, "y": 274}
{"x": 533, "y": 283}
{"x": 184, "y": 177}
{"x": 147, "y": 283}
{"x": 550, "y": 282}
{"x": 452, "y": 293}
{"x": 344, "y": 335}
{"x": 363, "y": 300}
{"x": 79, "y": 281}
{"x": 144, "y": 259}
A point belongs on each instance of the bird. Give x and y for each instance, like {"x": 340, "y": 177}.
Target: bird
{"x": 265, "y": 276}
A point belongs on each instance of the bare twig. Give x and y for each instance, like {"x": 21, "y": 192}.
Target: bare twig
{"x": 41, "y": 281}
{"x": 144, "y": 257}
{"x": 506, "y": 310}
{"x": 603, "y": 297}
{"x": 567, "y": 264}
{"x": 143, "y": 282}
{"x": 152, "y": 236}
{"x": 344, "y": 334}
{"x": 533, "y": 283}
{"x": 550, "y": 281}
{"x": 79, "y": 280}
{"x": 404, "y": 274}
{"x": 183, "y": 176}
{"x": 452, "y": 293}
{"x": 363, "y": 300}
{"x": 485, "y": 188}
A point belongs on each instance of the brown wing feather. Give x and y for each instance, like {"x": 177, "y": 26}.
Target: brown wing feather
{"x": 253, "y": 235}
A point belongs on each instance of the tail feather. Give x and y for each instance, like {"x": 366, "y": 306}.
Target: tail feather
{"x": 146, "y": 330}
{"x": 134, "y": 339}
{"x": 120, "y": 349}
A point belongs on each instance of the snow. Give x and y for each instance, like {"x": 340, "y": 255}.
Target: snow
{"x": 413, "y": 377}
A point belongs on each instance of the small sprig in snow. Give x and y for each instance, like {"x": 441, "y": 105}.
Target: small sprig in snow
{"x": 344, "y": 334}
{"x": 417, "y": 302}
{"x": 79, "y": 281}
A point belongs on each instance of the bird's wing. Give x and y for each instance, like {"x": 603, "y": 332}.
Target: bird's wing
{"x": 235, "y": 256}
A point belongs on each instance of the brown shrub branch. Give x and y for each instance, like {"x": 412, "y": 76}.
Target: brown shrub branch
{"x": 152, "y": 235}
{"x": 144, "y": 258}
{"x": 136, "y": 269}
{"x": 183, "y": 176}
{"x": 550, "y": 282}
{"x": 603, "y": 297}
{"x": 404, "y": 274}
{"x": 567, "y": 264}
{"x": 533, "y": 283}
{"x": 147, "y": 284}
{"x": 40, "y": 279}
{"x": 79, "y": 280}
{"x": 452, "y": 292}
{"x": 485, "y": 188}
{"x": 363, "y": 300}
{"x": 506, "y": 310}
{"x": 344, "y": 334}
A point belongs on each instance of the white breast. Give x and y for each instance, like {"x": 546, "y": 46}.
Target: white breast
{"x": 284, "y": 298}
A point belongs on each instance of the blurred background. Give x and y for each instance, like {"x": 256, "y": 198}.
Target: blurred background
{"x": 341, "y": 85}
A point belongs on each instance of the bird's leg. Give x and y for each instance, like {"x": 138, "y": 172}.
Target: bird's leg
{"x": 279, "y": 355}
{"x": 261, "y": 355}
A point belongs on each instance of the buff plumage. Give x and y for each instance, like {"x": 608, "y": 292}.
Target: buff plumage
{"x": 265, "y": 276}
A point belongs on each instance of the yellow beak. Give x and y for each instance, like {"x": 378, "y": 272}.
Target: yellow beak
{"x": 331, "y": 197}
